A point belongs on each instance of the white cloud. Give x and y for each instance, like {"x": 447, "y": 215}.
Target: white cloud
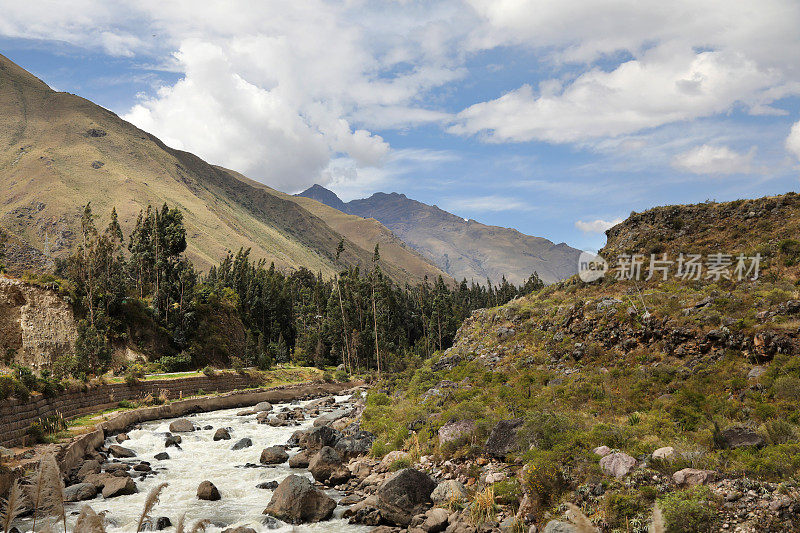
{"x": 596, "y": 226}
{"x": 482, "y": 204}
{"x": 712, "y": 159}
{"x": 793, "y": 140}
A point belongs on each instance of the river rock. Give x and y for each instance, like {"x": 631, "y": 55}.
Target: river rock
{"x": 404, "y": 495}
{"x": 297, "y": 501}
{"x": 118, "y": 486}
{"x": 319, "y": 437}
{"x": 617, "y": 464}
{"x": 90, "y": 466}
{"x": 162, "y": 456}
{"x": 456, "y": 430}
{"x": 80, "y": 492}
{"x": 331, "y": 417}
{"x": 742, "y": 436}
{"x": 208, "y": 491}
{"x": 240, "y": 529}
{"x": 268, "y": 485}
{"x": 503, "y": 438}
{"x": 122, "y": 437}
{"x": 173, "y": 440}
{"x": 299, "y": 460}
{"x": 351, "y": 446}
{"x": 120, "y": 452}
{"x": 274, "y": 455}
{"x": 324, "y": 463}
{"x": 447, "y": 491}
{"x": 116, "y": 467}
{"x": 690, "y": 477}
{"x": 162, "y": 523}
{"x": 262, "y": 406}
{"x": 181, "y": 425}
{"x": 222, "y": 434}
{"x": 241, "y": 444}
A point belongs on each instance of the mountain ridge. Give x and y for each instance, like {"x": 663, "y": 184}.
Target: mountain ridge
{"x": 465, "y": 249}
{"x": 59, "y": 151}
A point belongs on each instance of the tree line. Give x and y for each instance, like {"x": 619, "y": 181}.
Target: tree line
{"x": 144, "y": 291}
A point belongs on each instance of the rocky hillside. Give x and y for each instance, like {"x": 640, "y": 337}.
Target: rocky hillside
{"x": 620, "y": 394}
{"x": 36, "y": 325}
{"x": 59, "y": 151}
{"x": 462, "y": 248}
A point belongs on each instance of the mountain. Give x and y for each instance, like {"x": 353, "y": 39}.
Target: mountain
{"x": 462, "y": 248}
{"x": 59, "y": 151}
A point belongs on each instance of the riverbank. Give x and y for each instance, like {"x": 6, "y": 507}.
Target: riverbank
{"x": 70, "y": 453}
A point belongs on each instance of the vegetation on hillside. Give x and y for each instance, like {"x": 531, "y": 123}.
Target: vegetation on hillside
{"x": 143, "y": 291}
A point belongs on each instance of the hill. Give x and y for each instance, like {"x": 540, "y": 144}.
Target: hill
{"x": 462, "y": 248}
{"x": 618, "y": 394}
{"x": 59, "y": 151}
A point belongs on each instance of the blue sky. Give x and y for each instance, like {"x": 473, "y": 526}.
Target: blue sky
{"x": 557, "y": 119}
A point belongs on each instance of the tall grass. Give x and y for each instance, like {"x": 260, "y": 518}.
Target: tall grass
{"x": 46, "y": 491}
{"x": 149, "y": 503}
{"x": 12, "y": 506}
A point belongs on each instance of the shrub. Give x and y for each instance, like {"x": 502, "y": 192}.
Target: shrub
{"x": 400, "y": 464}
{"x": 327, "y": 377}
{"x": 779, "y": 431}
{"x": 176, "y": 363}
{"x": 341, "y": 376}
{"x": 689, "y": 511}
{"x": 620, "y": 507}
{"x": 787, "y": 388}
{"x": 544, "y": 478}
{"x": 209, "y": 371}
{"x": 12, "y": 387}
{"x": 790, "y": 249}
{"x": 508, "y": 492}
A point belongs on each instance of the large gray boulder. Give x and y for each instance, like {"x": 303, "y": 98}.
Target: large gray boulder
{"x": 324, "y": 463}
{"x": 555, "y": 526}
{"x": 742, "y": 436}
{"x": 617, "y": 464}
{"x": 356, "y": 445}
{"x": 274, "y": 455}
{"x": 455, "y": 431}
{"x": 80, "y": 492}
{"x": 118, "y": 451}
{"x": 262, "y": 407}
{"x": 503, "y": 438}
{"x": 118, "y": 486}
{"x": 299, "y": 460}
{"x": 181, "y": 425}
{"x": 448, "y": 491}
{"x": 404, "y": 495}
{"x": 297, "y": 501}
{"x": 319, "y": 437}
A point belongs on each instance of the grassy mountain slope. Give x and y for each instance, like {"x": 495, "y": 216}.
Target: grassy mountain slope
{"x": 58, "y": 151}
{"x": 462, "y": 248}
{"x": 707, "y": 368}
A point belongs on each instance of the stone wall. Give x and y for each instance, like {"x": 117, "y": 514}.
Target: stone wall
{"x": 16, "y": 416}
{"x": 35, "y": 323}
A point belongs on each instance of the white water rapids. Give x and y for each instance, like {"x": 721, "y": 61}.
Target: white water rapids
{"x": 201, "y": 459}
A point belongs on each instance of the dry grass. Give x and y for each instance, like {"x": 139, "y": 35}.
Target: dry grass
{"x": 89, "y": 522}
{"x": 581, "y": 521}
{"x": 149, "y": 503}
{"x": 12, "y": 506}
{"x": 46, "y": 491}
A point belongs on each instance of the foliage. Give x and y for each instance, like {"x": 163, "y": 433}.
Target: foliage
{"x": 689, "y": 511}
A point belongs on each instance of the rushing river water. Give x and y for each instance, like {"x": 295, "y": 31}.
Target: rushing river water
{"x": 201, "y": 459}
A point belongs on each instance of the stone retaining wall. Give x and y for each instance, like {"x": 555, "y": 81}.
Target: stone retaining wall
{"x": 16, "y": 416}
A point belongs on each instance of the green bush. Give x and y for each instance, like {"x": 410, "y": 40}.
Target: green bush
{"x": 399, "y": 464}
{"x": 176, "y": 363}
{"x": 689, "y": 511}
{"x": 341, "y": 376}
{"x": 507, "y": 492}
{"x": 790, "y": 249}
{"x": 787, "y": 388}
{"x": 620, "y": 507}
{"x": 12, "y": 387}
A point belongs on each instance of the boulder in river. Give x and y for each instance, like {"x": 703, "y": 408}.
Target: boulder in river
{"x": 208, "y": 491}
{"x": 182, "y": 425}
{"x": 241, "y": 444}
{"x": 122, "y": 437}
{"x": 118, "y": 486}
{"x": 173, "y": 440}
{"x": 324, "y": 463}
{"x": 80, "y": 492}
{"x": 404, "y": 495}
{"x": 299, "y": 460}
{"x": 222, "y": 434}
{"x": 297, "y": 501}
{"x": 268, "y": 485}
{"x": 274, "y": 455}
{"x": 319, "y": 437}
{"x": 262, "y": 406}
{"x": 120, "y": 452}
{"x": 162, "y": 456}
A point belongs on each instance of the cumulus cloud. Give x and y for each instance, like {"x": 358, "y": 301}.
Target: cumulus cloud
{"x": 596, "y": 226}
{"x": 793, "y": 140}
{"x": 712, "y": 159}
